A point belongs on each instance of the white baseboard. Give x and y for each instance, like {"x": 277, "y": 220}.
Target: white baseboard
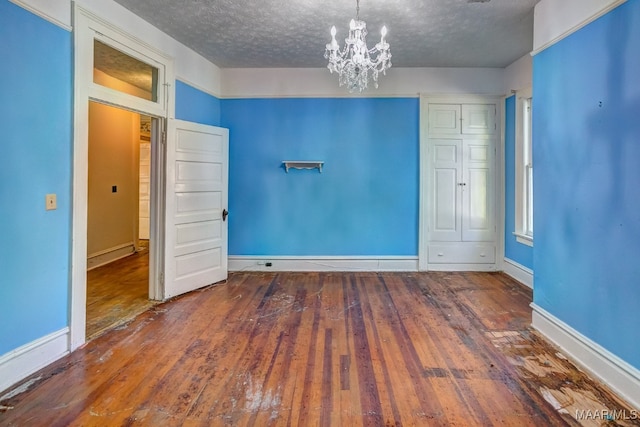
{"x": 518, "y": 271}
{"x": 617, "y": 374}
{"x": 322, "y": 263}
{"x": 24, "y": 361}
{"x": 98, "y": 259}
{"x": 461, "y": 267}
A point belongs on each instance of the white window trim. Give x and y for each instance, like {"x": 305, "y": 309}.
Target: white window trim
{"x": 522, "y": 236}
{"x": 524, "y": 239}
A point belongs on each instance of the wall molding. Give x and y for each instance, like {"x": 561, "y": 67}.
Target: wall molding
{"x": 62, "y": 10}
{"x": 518, "y": 271}
{"x": 323, "y": 263}
{"x": 461, "y": 267}
{"x": 197, "y": 86}
{"x": 579, "y": 25}
{"x": 24, "y": 361}
{"x": 617, "y": 374}
{"x": 107, "y": 256}
{"x": 238, "y": 83}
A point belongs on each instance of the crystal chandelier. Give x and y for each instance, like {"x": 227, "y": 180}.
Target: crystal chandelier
{"x": 355, "y": 63}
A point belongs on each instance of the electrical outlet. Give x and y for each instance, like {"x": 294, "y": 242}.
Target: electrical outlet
{"x": 51, "y": 202}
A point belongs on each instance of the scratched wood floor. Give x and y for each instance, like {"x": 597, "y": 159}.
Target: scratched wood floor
{"x": 317, "y": 349}
{"x": 117, "y": 292}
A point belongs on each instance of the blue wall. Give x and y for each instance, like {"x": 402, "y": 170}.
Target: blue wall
{"x": 193, "y": 105}
{"x": 365, "y": 202}
{"x": 587, "y": 181}
{"x": 35, "y": 142}
{"x": 513, "y": 250}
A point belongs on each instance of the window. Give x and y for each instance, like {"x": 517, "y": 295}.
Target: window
{"x": 119, "y": 71}
{"x": 524, "y": 168}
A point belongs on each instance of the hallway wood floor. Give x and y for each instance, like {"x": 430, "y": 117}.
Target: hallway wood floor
{"x": 328, "y": 349}
{"x": 117, "y": 293}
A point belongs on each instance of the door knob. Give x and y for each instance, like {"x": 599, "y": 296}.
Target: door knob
{"x": 225, "y": 213}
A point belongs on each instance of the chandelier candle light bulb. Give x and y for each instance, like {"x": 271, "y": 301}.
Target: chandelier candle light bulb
{"x": 355, "y": 64}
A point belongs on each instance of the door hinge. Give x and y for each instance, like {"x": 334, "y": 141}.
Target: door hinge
{"x": 163, "y": 139}
{"x": 161, "y": 279}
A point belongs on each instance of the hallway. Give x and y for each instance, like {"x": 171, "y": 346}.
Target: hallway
{"x": 117, "y": 292}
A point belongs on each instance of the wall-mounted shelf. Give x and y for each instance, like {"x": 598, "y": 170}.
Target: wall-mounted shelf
{"x": 302, "y": 164}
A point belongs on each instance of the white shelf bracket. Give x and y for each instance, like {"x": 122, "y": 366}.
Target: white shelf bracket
{"x": 302, "y": 164}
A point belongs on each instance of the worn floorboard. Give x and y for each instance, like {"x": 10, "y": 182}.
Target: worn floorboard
{"x": 326, "y": 349}
{"x": 117, "y": 292}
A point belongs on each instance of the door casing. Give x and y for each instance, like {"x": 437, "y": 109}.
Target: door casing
{"x": 88, "y": 27}
{"x": 425, "y": 171}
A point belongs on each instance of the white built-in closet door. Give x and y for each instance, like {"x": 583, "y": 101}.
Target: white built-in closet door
{"x": 461, "y": 212}
{"x": 478, "y": 119}
{"x": 446, "y": 177}
{"x": 196, "y": 203}
{"x": 477, "y": 190}
{"x": 444, "y": 119}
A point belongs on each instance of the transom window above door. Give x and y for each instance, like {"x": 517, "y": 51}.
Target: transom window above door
{"x": 118, "y": 71}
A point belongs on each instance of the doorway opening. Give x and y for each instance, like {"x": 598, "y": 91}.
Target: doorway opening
{"x": 118, "y": 217}
{"x": 113, "y": 68}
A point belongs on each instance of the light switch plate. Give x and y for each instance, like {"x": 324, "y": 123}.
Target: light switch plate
{"x": 51, "y": 202}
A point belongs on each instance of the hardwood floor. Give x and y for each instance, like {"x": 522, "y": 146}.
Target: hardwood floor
{"x": 328, "y": 349}
{"x": 117, "y": 293}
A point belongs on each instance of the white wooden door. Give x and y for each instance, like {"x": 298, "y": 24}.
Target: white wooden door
{"x": 461, "y": 181}
{"x": 196, "y": 206}
{"x": 477, "y": 190}
{"x": 478, "y": 119}
{"x": 444, "y": 119}
{"x": 446, "y": 175}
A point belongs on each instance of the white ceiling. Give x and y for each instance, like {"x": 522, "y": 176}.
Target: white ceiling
{"x": 293, "y": 33}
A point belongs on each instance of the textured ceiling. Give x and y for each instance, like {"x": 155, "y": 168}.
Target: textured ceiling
{"x": 293, "y": 33}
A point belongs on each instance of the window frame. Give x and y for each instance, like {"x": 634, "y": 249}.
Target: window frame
{"x": 524, "y": 168}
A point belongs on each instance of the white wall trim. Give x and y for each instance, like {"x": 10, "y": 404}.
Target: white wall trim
{"x": 323, "y": 263}
{"x": 194, "y": 85}
{"x": 462, "y": 267}
{"x": 518, "y": 271}
{"x": 365, "y": 95}
{"x": 617, "y": 374}
{"x": 109, "y": 255}
{"x": 518, "y": 75}
{"x": 551, "y": 19}
{"x": 58, "y": 13}
{"x": 27, "y": 359}
{"x": 320, "y": 83}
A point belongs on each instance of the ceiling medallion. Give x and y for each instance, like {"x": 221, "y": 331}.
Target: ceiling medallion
{"x": 355, "y": 64}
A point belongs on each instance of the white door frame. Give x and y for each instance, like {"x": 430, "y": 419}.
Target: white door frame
{"x": 88, "y": 27}
{"x": 423, "y": 226}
